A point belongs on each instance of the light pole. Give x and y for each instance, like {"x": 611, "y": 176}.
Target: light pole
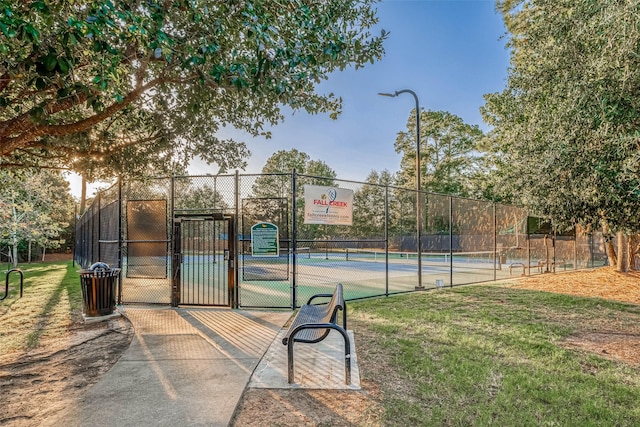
{"x": 418, "y": 194}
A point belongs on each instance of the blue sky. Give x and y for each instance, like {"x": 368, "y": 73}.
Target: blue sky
{"x": 449, "y": 52}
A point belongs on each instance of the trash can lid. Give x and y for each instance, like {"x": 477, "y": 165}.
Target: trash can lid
{"x": 99, "y": 265}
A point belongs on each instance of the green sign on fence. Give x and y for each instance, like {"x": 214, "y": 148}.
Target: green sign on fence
{"x": 264, "y": 240}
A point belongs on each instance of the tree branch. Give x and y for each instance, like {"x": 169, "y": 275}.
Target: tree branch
{"x": 4, "y": 81}
{"x": 30, "y": 132}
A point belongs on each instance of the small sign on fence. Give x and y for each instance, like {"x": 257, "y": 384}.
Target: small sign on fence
{"x": 264, "y": 240}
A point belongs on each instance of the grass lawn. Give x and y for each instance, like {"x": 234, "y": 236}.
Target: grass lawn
{"x": 488, "y": 355}
{"x": 51, "y": 304}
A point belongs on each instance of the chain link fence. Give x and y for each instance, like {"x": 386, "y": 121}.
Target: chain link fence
{"x": 188, "y": 240}
{"x": 97, "y": 234}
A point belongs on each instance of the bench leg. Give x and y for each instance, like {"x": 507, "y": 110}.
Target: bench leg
{"x": 290, "y": 374}
{"x": 347, "y": 356}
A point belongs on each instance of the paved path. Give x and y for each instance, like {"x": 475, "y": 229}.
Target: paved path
{"x": 185, "y": 367}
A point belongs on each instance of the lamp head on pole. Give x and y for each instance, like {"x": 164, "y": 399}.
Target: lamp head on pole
{"x": 391, "y": 95}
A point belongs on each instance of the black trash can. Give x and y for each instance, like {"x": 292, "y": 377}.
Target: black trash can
{"x": 99, "y": 289}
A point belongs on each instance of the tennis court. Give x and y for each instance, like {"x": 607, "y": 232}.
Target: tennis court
{"x": 364, "y": 273}
{"x": 203, "y": 226}
{"x": 268, "y": 281}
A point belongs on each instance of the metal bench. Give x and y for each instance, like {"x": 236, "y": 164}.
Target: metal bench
{"x": 313, "y": 323}
{"x": 537, "y": 265}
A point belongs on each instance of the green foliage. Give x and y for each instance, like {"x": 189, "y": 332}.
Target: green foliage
{"x": 449, "y": 153}
{"x": 276, "y": 182}
{"x": 566, "y": 125}
{"x": 195, "y": 197}
{"x": 35, "y": 206}
{"x": 102, "y": 84}
{"x": 369, "y": 206}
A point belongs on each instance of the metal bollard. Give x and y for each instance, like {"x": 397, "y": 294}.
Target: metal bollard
{"x": 6, "y": 282}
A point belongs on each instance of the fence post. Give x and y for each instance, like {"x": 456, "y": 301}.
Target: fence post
{"x": 450, "y": 241}
{"x": 496, "y": 257}
{"x": 528, "y": 246}
{"x": 386, "y": 240}
{"x": 553, "y": 245}
{"x": 98, "y": 215}
{"x": 120, "y": 243}
{"x": 237, "y": 246}
{"x": 294, "y": 241}
{"x": 575, "y": 251}
{"x": 171, "y": 245}
{"x": 75, "y": 234}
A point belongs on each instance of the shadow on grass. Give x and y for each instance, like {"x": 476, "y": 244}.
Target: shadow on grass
{"x": 6, "y": 303}
{"x": 70, "y": 284}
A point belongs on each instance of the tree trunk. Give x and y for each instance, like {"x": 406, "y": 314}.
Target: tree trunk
{"x": 15, "y": 252}
{"x": 611, "y": 253}
{"x": 608, "y": 245}
{"x": 14, "y": 236}
{"x": 83, "y": 195}
{"x": 623, "y": 252}
{"x": 43, "y": 251}
{"x": 633, "y": 252}
{"x": 29, "y": 253}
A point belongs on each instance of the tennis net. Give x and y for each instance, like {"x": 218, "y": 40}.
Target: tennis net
{"x": 477, "y": 259}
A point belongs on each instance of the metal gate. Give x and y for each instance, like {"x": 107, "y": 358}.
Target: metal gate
{"x": 202, "y": 265}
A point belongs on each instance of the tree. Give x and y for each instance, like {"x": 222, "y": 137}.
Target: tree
{"x": 35, "y": 207}
{"x": 448, "y": 153}
{"x": 276, "y": 182}
{"x": 115, "y": 84}
{"x": 567, "y": 123}
{"x": 200, "y": 197}
{"x": 369, "y": 204}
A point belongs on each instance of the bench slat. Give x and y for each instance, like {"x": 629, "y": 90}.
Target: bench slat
{"x": 310, "y": 314}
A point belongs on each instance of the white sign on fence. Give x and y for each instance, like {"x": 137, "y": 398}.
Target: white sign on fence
{"x": 328, "y": 205}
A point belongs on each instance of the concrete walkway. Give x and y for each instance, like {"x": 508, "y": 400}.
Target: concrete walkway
{"x": 317, "y": 366}
{"x": 185, "y": 367}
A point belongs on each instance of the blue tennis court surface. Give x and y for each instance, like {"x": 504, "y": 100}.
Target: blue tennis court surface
{"x": 268, "y": 281}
